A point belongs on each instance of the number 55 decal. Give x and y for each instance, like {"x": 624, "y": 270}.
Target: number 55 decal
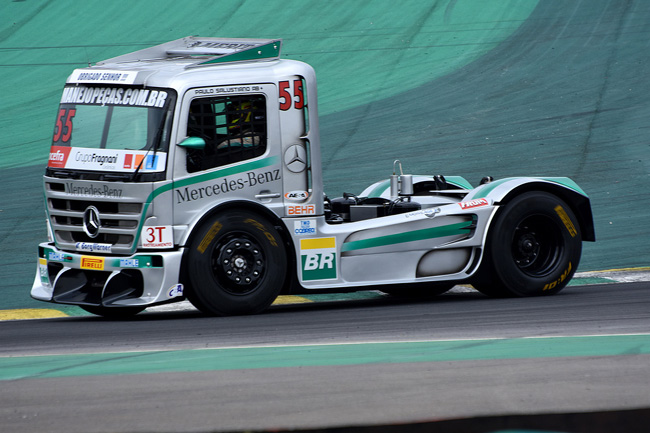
{"x": 298, "y": 98}
{"x": 62, "y": 125}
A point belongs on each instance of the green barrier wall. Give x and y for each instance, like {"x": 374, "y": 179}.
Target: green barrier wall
{"x": 465, "y": 87}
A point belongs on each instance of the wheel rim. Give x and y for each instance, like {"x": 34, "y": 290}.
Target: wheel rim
{"x": 238, "y": 264}
{"x": 536, "y": 245}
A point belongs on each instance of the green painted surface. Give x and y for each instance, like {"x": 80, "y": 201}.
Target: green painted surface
{"x": 31, "y": 367}
{"x": 42, "y": 41}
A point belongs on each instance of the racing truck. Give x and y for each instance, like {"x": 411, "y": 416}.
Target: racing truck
{"x": 192, "y": 170}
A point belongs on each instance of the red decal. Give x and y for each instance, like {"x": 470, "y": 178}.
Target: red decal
{"x": 284, "y": 95}
{"x": 473, "y": 203}
{"x": 128, "y": 160}
{"x": 58, "y": 156}
{"x": 63, "y": 128}
{"x": 309, "y": 209}
{"x": 298, "y": 100}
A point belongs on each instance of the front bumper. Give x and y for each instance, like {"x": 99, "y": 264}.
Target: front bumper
{"x": 141, "y": 279}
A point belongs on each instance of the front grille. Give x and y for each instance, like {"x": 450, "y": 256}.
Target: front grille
{"x": 119, "y": 221}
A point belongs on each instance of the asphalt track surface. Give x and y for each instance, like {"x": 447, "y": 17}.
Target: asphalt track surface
{"x": 364, "y": 362}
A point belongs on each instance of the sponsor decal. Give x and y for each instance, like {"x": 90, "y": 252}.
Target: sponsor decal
{"x": 129, "y": 263}
{"x": 175, "y": 291}
{"x": 105, "y": 76}
{"x": 304, "y": 227}
{"x": 56, "y": 257}
{"x": 308, "y": 209}
{"x": 157, "y": 237}
{"x": 106, "y": 159}
{"x": 114, "y": 96}
{"x": 473, "y": 203}
{"x": 563, "y": 277}
{"x": 318, "y": 259}
{"x": 93, "y": 247}
{"x": 227, "y": 90}
{"x": 226, "y": 185}
{"x": 42, "y": 270}
{"x": 230, "y": 47}
{"x": 296, "y": 195}
{"x": 93, "y": 190}
{"x": 58, "y": 156}
{"x": 92, "y": 263}
{"x": 429, "y": 213}
{"x": 566, "y": 220}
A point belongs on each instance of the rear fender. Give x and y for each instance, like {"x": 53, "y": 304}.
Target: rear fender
{"x": 503, "y": 191}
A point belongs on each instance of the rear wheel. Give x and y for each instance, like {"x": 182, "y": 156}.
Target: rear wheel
{"x": 533, "y": 248}
{"x": 236, "y": 264}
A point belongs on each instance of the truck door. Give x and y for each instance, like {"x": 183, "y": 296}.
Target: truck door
{"x": 241, "y": 159}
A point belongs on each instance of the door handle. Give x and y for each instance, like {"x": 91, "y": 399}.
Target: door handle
{"x": 267, "y": 195}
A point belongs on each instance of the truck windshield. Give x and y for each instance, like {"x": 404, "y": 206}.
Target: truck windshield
{"x": 115, "y": 118}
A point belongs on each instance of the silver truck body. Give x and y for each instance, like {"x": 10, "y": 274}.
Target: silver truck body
{"x": 124, "y": 204}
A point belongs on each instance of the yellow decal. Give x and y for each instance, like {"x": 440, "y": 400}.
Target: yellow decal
{"x": 92, "y": 263}
{"x": 209, "y": 236}
{"x": 563, "y": 277}
{"x": 566, "y": 220}
{"x": 317, "y": 244}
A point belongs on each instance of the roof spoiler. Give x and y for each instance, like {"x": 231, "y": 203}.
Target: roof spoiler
{"x": 205, "y": 51}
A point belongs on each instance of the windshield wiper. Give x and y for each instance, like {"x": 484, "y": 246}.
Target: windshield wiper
{"x": 155, "y": 144}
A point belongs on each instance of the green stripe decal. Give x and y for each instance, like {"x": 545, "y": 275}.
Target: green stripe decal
{"x": 416, "y": 235}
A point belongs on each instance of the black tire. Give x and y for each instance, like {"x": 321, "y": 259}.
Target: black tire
{"x": 419, "y": 291}
{"x": 113, "y": 312}
{"x": 236, "y": 264}
{"x": 533, "y": 248}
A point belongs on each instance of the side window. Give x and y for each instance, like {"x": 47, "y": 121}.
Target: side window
{"x": 233, "y": 127}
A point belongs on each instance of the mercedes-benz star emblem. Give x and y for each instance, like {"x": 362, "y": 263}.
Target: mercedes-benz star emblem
{"x": 92, "y": 222}
{"x": 295, "y": 158}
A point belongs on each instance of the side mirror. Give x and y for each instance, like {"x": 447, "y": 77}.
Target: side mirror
{"x": 193, "y": 143}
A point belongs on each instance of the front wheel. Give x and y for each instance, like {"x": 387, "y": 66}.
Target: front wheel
{"x": 236, "y": 264}
{"x": 533, "y": 248}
